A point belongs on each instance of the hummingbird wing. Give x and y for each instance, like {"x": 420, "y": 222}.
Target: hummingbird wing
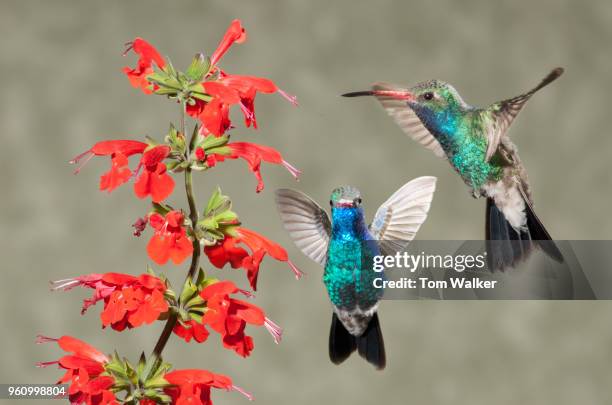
{"x": 306, "y": 222}
{"x": 407, "y": 119}
{"x": 399, "y": 218}
{"x": 504, "y": 112}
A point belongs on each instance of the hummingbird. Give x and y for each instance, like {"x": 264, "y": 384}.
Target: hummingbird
{"x": 344, "y": 245}
{"x": 475, "y": 142}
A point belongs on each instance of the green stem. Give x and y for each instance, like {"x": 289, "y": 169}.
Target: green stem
{"x": 156, "y": 355}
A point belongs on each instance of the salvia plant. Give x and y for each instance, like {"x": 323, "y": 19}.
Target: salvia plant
{"x": 205, "y": 94}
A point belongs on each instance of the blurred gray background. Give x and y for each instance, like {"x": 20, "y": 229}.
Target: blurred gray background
{"x": 62, "y": 89}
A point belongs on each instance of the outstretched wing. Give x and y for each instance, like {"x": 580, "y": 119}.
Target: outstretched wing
{"x": 406, "y": 118}
{"x": 306, "y": 222}
{"x": 399, "y": 218}
{"x": 504, "y": 112}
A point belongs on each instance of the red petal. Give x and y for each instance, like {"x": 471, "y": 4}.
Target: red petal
{"x": 76, "y": 346}
{"x": 147, "y": 53}
{"x": 235, "y": 33}
{"x": 189, "y": 377}
{"x": 182, "y": 249}
{"x": 219, "y": 288}
{"x": 155, "y": 155}
{"x": 248, "y": 312}
{"x": 224, "y": 93}
{"x": 156, "y": 183}
{"x": 125, "y": 147}
{"x": 118, "y": 174}
{"x": 246, "y": 83}
{"x": 161, "y": 185}
{"x": 158, "y": 249}
{"x": 215, "y": 117}
{"x": 256, "y": 241}
{"x": 119, "y": 279}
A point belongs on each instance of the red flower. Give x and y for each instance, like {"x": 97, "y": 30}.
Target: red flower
{"x": 154, "y": 180}
{"x": 84, "y": 367}
{"x": 226, "y": 251}
{"x": 246, "y": 87}
{"x": 129, "y": 301}
{"x": 170, "y": 240}
{"x": 193, "y": 386}
{"x": 191, "y": 329}
{"x": 144, "y": 67}
{"x": 235, "y": 33}
{"x": 229, "y": 90}
{"x": 229, "y": 317}
{"x": 119, "y": 151}
{"x": 253, "y": 154}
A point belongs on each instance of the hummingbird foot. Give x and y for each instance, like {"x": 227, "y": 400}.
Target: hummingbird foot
{"x": 275, "y": 330}
{"x": 298, "y": 273}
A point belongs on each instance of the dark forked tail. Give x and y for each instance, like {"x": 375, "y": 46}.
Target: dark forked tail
{"x": 370, "y": 344}
{"x": 506, "y": 247}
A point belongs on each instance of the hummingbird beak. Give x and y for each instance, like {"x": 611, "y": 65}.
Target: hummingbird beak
{"x": 394, "y": 94}
{"x": 345, "y": 203}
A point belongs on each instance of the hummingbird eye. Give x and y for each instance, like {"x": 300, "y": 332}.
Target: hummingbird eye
{"x": 358, "y": 201}
{"x": 428, "y": 96}
{"x": 331, "y": 203}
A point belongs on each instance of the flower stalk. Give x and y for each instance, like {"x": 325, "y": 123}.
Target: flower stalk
{"x": 156, "y": 355}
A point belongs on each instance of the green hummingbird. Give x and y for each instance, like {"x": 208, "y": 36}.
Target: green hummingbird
{"x": 475, "y": 142}
{"x": 345, "y": 246}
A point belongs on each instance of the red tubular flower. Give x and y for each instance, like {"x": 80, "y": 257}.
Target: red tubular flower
{"x": 193, "y": 386}
{"x": 129, "y": 301}
{"x": 154, "y": 180}
{"x": 234, "y": 34}
{"x": 247, "y": 87}
{"x": 226, "y": 251}
{"x": 253, "y": 154}
{"x": 144, "y": 67}
{"x": 84, "y": 366}
{"x": 119, "y": 151}
{"x": 170, "y": 240}
{"x": 229, "y": 90}
{"x": 229, "y": 317}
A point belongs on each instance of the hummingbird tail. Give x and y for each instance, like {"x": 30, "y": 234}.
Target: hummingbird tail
{"x": 341, "y": 342}
{"x": 370, "y": 344}
{"x": 507, "y": 246}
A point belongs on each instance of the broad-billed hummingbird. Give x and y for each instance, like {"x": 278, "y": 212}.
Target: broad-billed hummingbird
{"x": 345, "y": 246}
{"x": 475, "y": 142}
